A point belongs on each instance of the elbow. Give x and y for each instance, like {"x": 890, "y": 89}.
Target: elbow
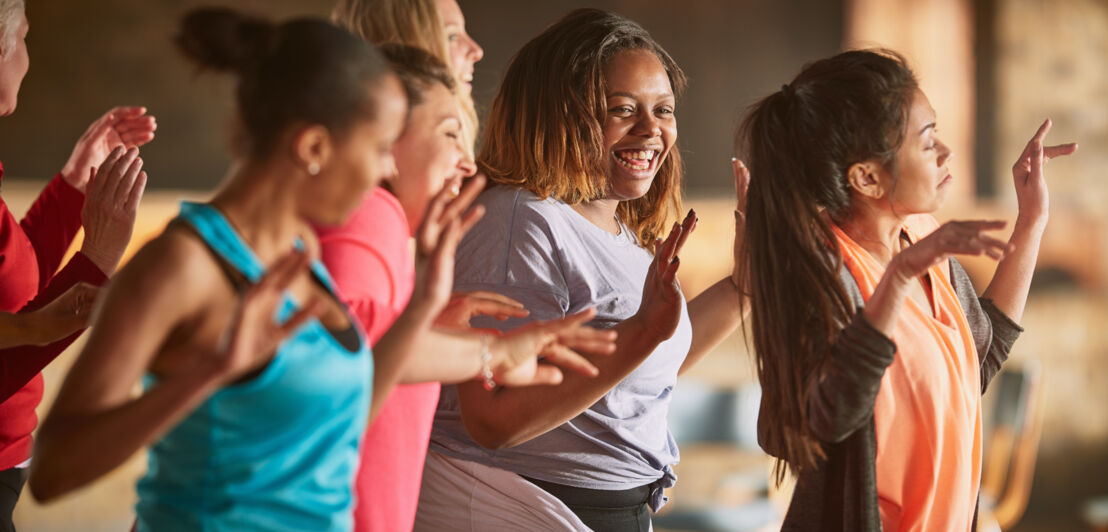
{"x": 488, "y": 435}
{"x": 44, "y": 487}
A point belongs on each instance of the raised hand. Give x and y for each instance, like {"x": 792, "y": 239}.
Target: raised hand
{"x": 1027, "y": 173}
{"x": 110, "y": 207}
{"x": 126, "y": 127}
{"x": 516, "y": 354}
{"x": 444, "y": 224}
{"x": 253, "y": 335}
{"x": 953, "y": 238}
{"x": 660, "y": 309}
{"x": 464, "y": 306}
{"x": 742, "y": 183}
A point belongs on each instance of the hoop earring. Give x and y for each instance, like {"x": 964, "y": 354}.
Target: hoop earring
{"x": 313, "y": 168}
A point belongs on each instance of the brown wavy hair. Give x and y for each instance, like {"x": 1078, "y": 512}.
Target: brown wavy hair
{"x": 799, "y": 144}
{"x": 544, "y": 129}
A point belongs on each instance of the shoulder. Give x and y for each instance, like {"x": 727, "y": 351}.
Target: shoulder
{"x": 177, "y": 258}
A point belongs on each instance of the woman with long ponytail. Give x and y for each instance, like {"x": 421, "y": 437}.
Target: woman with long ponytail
{"x": 871, "y": 345}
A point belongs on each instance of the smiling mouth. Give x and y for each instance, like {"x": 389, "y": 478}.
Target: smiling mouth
{"x": 637, "y": 160}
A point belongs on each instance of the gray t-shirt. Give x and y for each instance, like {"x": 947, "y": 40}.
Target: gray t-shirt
{"x": 550, "y": 258}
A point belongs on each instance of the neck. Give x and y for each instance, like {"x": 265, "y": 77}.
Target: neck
{"x": 601, "y": 212}
{"x": 261, "y": 207}
{"x": 876, "y": 230}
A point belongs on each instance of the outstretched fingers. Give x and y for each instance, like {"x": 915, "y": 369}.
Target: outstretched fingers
{"x": 565, "y": 357}
{"x": 465, "y": 198}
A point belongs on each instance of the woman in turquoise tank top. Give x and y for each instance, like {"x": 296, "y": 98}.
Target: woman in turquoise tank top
{"x": 257, "y": 383}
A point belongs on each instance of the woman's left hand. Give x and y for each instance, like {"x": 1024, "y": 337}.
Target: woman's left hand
{"x": 1027, "y": 172}
{"x": 129, "y": 127}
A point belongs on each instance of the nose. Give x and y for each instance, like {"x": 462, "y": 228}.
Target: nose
{"x": 647, "y": 125}
{"x": 466, "y": 165}
{"x": 388, "y": 170}
{"x": 945, "y": 153}
{"x": 475, "y": 50}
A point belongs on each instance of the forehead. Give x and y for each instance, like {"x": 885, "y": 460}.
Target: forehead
{"x": 450, "y": 12}
{"x": 637, "y": 72}
{"x": 438, "y": 102}
{"x": 920, "y": 112}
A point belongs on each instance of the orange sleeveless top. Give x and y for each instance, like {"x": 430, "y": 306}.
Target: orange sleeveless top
{"x": 928, "y": 410}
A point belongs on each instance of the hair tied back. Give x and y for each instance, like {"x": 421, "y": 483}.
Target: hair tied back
{"x": 224, "y": 39}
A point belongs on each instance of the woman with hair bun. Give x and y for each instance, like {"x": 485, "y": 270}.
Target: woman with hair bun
{"x": 258, "y": 383}
{"x": 872, "y": 346}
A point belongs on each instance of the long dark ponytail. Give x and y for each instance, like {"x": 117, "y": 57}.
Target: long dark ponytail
{"x": 798, "y": 144}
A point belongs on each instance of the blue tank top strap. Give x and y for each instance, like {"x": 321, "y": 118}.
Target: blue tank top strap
{"x": 222, "y": 238}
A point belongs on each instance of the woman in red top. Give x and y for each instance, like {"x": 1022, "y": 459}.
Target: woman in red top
{"x": 32, "y": 249}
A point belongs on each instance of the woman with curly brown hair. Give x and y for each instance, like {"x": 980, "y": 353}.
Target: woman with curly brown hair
{"x": 581, "y": 151}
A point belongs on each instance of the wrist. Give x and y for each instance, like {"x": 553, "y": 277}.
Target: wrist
{"x": 103, "y": 260}
{"x": 34, "y": 324}
{"x": 1030, "y": 223}
{"x": 491, "y": 364}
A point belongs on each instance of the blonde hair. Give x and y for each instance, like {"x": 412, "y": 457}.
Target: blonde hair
{"x": 10, "y": 11}
{"x": 413, "y": 23}
{"x": 545, "y": 130}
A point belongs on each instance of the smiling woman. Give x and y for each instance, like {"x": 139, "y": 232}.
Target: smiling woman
{"x": 581, "y": 148}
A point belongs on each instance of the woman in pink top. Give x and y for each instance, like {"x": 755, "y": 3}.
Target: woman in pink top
{"x": 371, "y": 262}
{"x": 872, "y": 346}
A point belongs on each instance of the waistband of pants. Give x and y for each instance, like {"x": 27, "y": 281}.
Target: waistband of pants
{"x": 574, "y": 496}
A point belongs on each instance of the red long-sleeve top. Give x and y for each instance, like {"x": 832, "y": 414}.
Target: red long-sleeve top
{"x": 30, "y": 252}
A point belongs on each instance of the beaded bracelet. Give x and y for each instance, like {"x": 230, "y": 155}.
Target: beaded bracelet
{"x": 486, "y": 358}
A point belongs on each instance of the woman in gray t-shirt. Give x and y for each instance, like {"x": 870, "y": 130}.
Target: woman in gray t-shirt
{"x": 581, "y": 152}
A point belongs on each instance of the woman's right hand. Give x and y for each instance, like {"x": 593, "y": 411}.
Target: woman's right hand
{"x": 660, "y": 309}
{"x": 254, "y": 335}
{"x": 111, "y": 205}
{"x": 952, "y": 238}
{"x": 515, "y": 355}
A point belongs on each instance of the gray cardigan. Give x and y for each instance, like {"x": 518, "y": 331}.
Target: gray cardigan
{"x": 841, "y": 494}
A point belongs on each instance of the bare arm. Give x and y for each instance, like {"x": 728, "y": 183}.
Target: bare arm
{"x": 96, "y": 423}
{"x": 506, "y": 417}
{"x": 81, "y": 438}
{"x": 714, "y": 314}
{"x": 717, "y": 311}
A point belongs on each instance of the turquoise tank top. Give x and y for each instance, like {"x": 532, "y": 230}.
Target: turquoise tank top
{"x": 276, "y": 452}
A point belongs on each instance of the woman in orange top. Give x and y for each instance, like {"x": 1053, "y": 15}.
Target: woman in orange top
{"x": 872, "y": 347}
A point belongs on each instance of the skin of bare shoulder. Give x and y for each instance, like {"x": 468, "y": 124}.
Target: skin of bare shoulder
{"x": 172, "y": 290}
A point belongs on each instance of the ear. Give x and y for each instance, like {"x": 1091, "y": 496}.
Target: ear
{"x": 865, "y": 179}
{"x": 312, "y": 148}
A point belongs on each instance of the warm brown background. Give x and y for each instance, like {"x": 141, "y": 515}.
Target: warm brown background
{"x": 993, "y": 70}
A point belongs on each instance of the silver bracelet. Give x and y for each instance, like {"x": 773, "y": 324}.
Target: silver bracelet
{"x": 486, "y": 358}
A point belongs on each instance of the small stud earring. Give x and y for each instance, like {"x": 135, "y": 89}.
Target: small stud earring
{"x": 313, "y": 168}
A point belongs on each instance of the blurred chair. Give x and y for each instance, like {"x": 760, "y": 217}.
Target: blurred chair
{"x": 1011, "y": 446}
{"x": 724, "y": 475}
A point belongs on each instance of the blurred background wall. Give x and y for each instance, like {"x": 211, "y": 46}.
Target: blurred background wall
{"x": 993, "y": 69}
